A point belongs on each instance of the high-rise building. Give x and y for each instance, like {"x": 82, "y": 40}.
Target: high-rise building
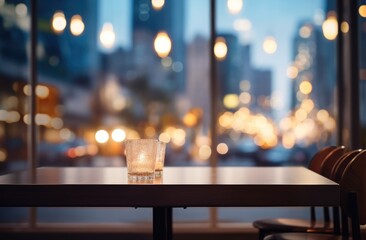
{"x": 147, "y": 22}
{"x": 229, "y": 69}
{"x": 311, "y": 58}
{"x": 261, "y": 89}
{"x": 198, "y": 77}
{"x": 73, "y": 58}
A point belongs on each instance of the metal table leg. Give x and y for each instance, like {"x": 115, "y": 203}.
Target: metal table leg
{"x": 162, "y": 223}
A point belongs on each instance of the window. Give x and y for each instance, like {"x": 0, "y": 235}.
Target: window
{"x": 108, "y": 70}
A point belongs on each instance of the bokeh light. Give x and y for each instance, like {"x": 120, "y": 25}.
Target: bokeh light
{"x": 101, "y": 136}
{"x": 305, "y": 31}
{"x": 305, "y": 87}
{"x": 21, "y": 10}
{"x": 344, "y": 27}
{"x": 362, "y": 11}
{"x": 269, "y": 45}
{"x": 220, "y": 48}
{"x": 234, "y": 6}
{"x": 245, "y": 97}
{"x": 231, "y": 101}
{"x": 66, "y": 134}
{"x": 42, "y": 91}
{"x": 322, "y": 115}
{"x": 178, "y": 137}
{"x": 157, "y": 4}
{"x": 162, "y": 44}
{"x": 77, "y": 25}
{"x": 204, "y": 152}
{"x": 292, "y": 72}
{"x": 118, "y": 135}
{"x": 222, "y": 148}
{"x": 330, "y": 27}
{"x": 107, "y": 36}
{"x": 164, "y": 137}
{"x": 59, "y": 22}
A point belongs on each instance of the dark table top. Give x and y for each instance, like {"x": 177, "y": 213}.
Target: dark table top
{"x": 178, "y": 187}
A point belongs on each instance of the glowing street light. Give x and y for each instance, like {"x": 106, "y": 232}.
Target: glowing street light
{"x": 77, "y": 26}
{"x": 220, "y": 48}
{"x": 157, "y": 4}
{"x": 234, "y": 6}
{"x": 58, "y": 22}
{"x": 162, "y": 44}
{"x": 269, "y": 45}
{"x": 107, "y": 36}
{"x": 330, "y": 28}
{"x": 362, "y": 11}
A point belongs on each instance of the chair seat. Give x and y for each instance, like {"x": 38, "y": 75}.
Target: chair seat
{"x": 292, "y": 225}
{"x": 303, "y": 236}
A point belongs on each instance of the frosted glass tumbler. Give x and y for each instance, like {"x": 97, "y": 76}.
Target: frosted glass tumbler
{"x": 141, "y": 157}
{"x": 160, "y": 156}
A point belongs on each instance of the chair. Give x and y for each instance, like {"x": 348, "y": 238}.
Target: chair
{"x": 341, "y": 164}
{"x": 327, "y": 165}
{"x": 317, "y": 163}
{"x": 353, "y": 204}
{"x": 335, "y": 172}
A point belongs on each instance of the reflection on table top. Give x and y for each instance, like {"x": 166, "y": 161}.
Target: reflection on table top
{"x": 179, "y": 186}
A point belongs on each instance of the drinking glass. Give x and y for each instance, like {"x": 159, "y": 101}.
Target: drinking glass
{"x": 160, "y": 156}
{"x": 141, "y": 158}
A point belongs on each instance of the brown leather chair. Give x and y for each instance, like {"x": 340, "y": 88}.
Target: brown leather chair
{"x": 353, "y": 204}
{"x": 334, "y": 172}
{"x": 339, "y": 166}
{"x": 317, "y": 163}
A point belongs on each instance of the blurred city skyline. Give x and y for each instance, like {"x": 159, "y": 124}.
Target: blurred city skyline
{"x": 150, "y": 94}
{"x": 252, "y": 24}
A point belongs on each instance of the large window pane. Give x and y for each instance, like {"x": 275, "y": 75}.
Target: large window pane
{"x": 277, "y": 81}
{"x": 100, "y": 70}
{"x": 137, "y": 69}
{"x": 14, "y": 106}
{"x": 107, "y": 65}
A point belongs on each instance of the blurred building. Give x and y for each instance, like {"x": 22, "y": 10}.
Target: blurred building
{"x": 66, "y": 71}
{"x": 147, "y": 22}
{"x": 311, "y": 63}
{"x": 198, "y": 77}
{"x": 261, "y": 89}
{"x": 229, "y": 69}
{"x": 65, "y": 54}
{"x": 70, "y": 61}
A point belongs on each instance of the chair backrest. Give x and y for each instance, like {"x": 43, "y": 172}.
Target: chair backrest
{"x": 315, "y": 165}
{"x": 317, "y": 160}
{"x": 331, "y": 159}
{"x": 341, "y": 164}
{"x": 353, "y": 192}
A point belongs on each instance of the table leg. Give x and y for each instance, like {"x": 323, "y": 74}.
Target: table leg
{"x": 162, "y": 223}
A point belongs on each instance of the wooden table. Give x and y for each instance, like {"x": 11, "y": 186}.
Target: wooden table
{"x": 179, "y": 187}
